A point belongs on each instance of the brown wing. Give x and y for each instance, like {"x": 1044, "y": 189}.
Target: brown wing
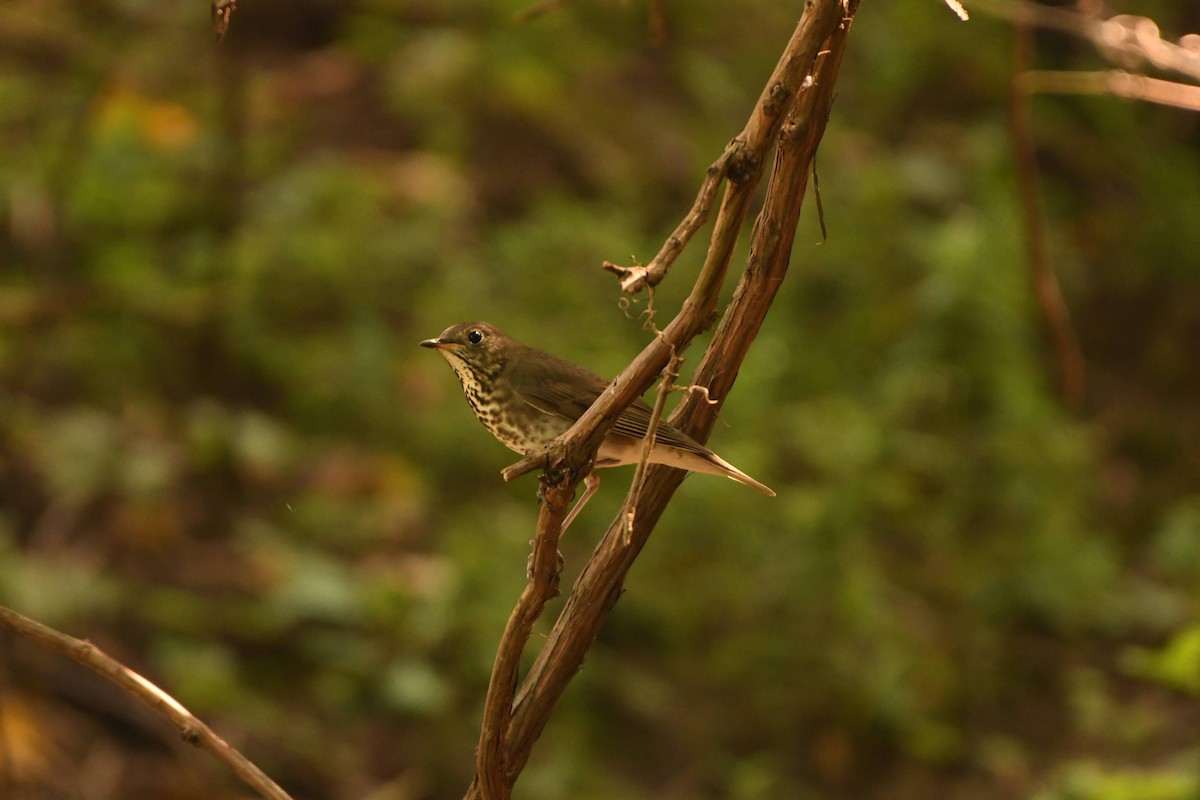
{"x": 554, "y": 386}
{"x": 635, "y": 421}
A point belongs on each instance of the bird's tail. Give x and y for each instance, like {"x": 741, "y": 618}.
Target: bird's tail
{"x": 723, "y": 467}
{"x": 696, "y": 458}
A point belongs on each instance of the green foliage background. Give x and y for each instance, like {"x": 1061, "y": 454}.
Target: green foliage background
{"x": 223, "y": 459}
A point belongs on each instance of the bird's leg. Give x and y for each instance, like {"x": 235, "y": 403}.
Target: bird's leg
{"x": 591, "y": 483}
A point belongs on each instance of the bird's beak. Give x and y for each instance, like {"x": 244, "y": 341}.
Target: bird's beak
{"x": 435, "y": 344}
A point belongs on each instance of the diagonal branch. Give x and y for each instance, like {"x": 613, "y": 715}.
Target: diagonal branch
{"x": 826, "y": 23}
{"x": 745, "y": 154}
{"x": 190, "y": 727}
{"x": 635, "y": 278}
{"x": 566, "y": 463}
{"x": 744, "y": 159}
{"x": 566, "y": 460}
{"x": 771, "y": 245}
{"x": 601, "y": 582}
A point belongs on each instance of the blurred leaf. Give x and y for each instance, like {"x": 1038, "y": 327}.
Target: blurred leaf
{"x": 1090, "y": 781}
{"x": 1176, "y": 665}
{"x": 413, "y": 687}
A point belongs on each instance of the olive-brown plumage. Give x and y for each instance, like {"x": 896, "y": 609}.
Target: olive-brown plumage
{"x": 527, "y": 397}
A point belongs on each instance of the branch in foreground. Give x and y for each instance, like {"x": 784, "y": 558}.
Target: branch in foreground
{"x": 491, "y": 754}
{"x": 567, "y": 460}
{"x": 601, "y": 582}
{"x": 190, "y": 728}
{"x": 744, "y": 159}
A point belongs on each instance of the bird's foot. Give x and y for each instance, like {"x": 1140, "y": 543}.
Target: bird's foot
{"x": 559, "y": 563}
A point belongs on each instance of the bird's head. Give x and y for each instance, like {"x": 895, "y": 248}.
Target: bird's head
{"x": 474, "y": 349}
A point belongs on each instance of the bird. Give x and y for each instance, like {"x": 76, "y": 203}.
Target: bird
{"x": 527, "y": 397}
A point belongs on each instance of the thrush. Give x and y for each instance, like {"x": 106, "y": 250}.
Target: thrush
{"x": 527, "y": 398}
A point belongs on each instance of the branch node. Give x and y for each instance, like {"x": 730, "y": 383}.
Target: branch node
{"x": 526, "y": 465}
{"x": 743, "y": 162}
{"x": 634, "y": 278}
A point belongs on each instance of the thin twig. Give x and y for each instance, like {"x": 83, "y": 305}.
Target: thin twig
{"x": 637, "y": 277}
{"x": 703, "y": 391}
{"x": 567, "y": 455}
{"x": 525, "y": 466}
{"x": 1047, "y": 290}
{"x": 744, "y": 156}
{"x": 670, "y": 373}
{"x": 493, "y": 776}
{"x": 190, "y": 727}
{"x": 816, "y": 182}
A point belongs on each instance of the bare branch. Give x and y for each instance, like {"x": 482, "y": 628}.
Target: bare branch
{"x": 525, "y": 466}
{"x": 635, "y": 278}
{"x": 491, "y": 756}
{"x": 669, "y": 374}
{"x": 743, "y": 161}
{"x": 771, "y": 246}
{"x": 1127, "y": 40}
{"x": 190, "y": 727}
{"x": 1128, "y": 85}
{"x": 600, "y": 584}
{"x": 958, "y": 9}
{"x": 744, "y": 156}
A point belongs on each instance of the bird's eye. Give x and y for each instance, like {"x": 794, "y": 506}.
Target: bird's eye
{"x": 475, "y": 337}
